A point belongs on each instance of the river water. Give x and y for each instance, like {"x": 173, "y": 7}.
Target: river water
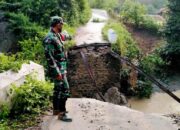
{"x": 160, "y": 102}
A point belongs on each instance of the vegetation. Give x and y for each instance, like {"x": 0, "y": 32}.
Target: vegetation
{"x": 154, "y": 6}
{"x": 73, "y": 11}
{"x": 9, "y": 62}
{"x": 135, "y": 13}
{"x": 171, "y": 51}
{"x": 30, "y": 99}
{"x": 104, "y": 4}
{"x": 124, "y": 44}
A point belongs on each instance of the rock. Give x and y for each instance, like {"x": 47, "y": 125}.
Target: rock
{"x": 114, "y": 96}
{"x": 7, "y": 38}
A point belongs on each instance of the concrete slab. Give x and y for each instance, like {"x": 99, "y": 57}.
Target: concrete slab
{"x": 91, "y": 114}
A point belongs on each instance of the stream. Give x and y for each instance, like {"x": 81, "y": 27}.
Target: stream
{"x": 160, "y": 102}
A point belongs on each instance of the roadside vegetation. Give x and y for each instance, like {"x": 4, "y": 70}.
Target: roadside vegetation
{"x": 29, "y": 101}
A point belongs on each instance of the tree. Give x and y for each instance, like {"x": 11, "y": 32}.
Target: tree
{"x": 133, "y": 11}
{"x": 172, "y": 32}
{"x": 73, "y": 11}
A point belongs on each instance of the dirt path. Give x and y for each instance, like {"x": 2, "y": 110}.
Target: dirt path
{"x": 91, "y": 32}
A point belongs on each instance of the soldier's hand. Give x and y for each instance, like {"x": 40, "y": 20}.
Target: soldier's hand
{"x": 59, "y": 77}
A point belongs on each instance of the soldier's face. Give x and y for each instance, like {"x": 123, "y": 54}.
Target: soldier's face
{"x": 60, "y": 26}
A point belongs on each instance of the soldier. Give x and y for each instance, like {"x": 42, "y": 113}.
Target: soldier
{"x": 56, "y": 61}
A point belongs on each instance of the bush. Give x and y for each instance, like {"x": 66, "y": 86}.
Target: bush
{"x": 22, "y": 27}
{"x": 33, "y": 50}
{"x": 143, "y": 89}
{"x": 75, "y": 12}
{"x": 133, "y": 12}
{"x": 152, "y": 64}
{"x": 31, "y": 97}
{"x": 150, "y": 24}
{"x": 4, "y": 111}
{"x": 10, "y": 62}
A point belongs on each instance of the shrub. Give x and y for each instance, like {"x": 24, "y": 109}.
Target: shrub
{"x": 4, "y": 111}
{"x": 143, "y": 89}
{"x": 133, "y": 12}
{"x": 10, "y": 62}
{"x": 75, "y": 12}
{"x": 150, "y": 25}
{"x": 152, "y": 64}
{"x": 31, "y": 97}
{"x": 22, "y": 27}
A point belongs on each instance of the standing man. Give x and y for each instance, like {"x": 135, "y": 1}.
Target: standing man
{"x": 56, "y": 61}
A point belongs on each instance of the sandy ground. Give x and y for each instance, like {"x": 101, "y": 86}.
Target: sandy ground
{"x": 91, "y": 114}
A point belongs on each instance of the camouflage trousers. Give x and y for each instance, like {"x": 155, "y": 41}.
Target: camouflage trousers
{"x": 60, "y": 94}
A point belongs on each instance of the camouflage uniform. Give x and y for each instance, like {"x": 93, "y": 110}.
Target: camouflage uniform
{"x": 57, "y": 64}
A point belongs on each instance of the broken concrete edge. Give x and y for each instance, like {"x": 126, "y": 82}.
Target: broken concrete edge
{"x": 76, "y": 47}
{"x": 9, "y": 78}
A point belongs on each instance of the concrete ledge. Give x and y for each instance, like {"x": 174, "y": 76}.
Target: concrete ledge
{"x": 9, "y": 77}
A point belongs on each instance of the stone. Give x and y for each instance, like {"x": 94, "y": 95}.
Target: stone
{"x": 7, "y": 38}
{"x": 114, "y": 96}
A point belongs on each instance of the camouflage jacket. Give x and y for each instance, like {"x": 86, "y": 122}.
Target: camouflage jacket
{"x": 54, "y": 53}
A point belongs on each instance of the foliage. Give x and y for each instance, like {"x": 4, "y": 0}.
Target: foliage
{"x": 28, "y": 100}
{"x": 33, "y": 50}
{"x": 4, "y": 111}
{"x": 154, "y": 5}
{"x": 125, "y": 45}
{"x": 73, "y": 11}
{"x": 143, "y": 89}
{"x": 22, "y": 27}
{"x": 31, "y": 97}
{"x": 151, "y": 25}
{"x": 133, "y": 12}
{"x": 9, "y": 62}
{"x": 21, "y": 122}
{"x": 104, "y": 4}
{"x": 152, "y": 64}
{"x": 171, "y": 52}
{"x": 4, "y": 125}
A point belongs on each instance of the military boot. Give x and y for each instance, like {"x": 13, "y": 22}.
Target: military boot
{"x": 63, "y": 117}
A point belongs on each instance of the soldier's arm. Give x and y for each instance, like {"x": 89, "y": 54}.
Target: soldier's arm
{"x": 49, "y": 53}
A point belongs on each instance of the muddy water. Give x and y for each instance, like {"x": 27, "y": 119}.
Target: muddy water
{"x": 160, "y": 102}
